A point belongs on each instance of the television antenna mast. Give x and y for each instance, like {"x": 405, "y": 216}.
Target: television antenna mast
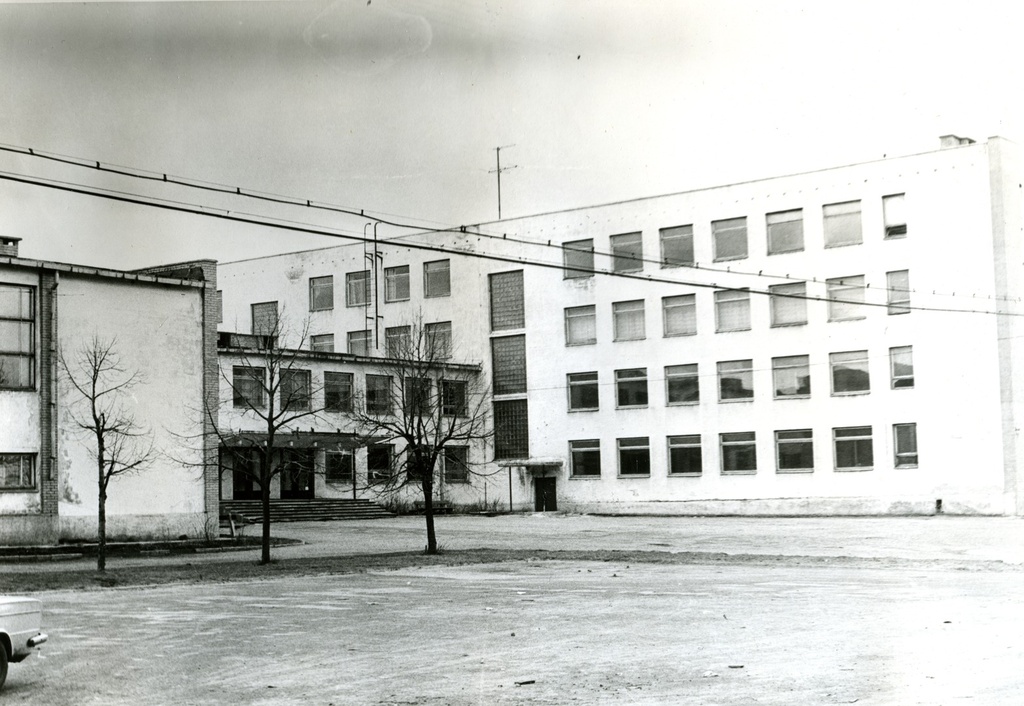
{"x": 499, "y": 170}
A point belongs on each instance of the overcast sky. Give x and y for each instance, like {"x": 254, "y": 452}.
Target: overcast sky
{"x": 396, "y": 106}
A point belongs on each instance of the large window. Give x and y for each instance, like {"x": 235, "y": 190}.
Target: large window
{"x": 627, "y": 252}
{"x": 894, "y": 215}
{"x": 578, "y": 258}
{"x": 730, "y": 238}
{"x": 631, "y": 387}
{"x": 585, "y": 458}
{"x": 359, "y": 342}
{"x": 794, "y": 451}
{"x": 337, "y": 392}
{"x": 379, "y": 461}
{"x": 682, "y": 384}
{"x": 17, "y": 472}
{"x": 842, "y": 224}
{"x": 248, "y": 387}
{"x": 507, "y": 305}
{"x": 17, "y": 338}
{"x": 789, "y": 304}
{"x": 357, "y": 288}
{"x": 785, "y": 231}
{"x": 684, "y": 455}
{"x": 396, "y": 283}
{"x": 264, "y": 319}
{"x": 378, "y": 394}
{"x": 580, "y": 325}
{"x": 416, "y": 396}
{"x": 339, "y": 467}
{"x": 845, "y": 298}
{"x": 901, "y": 365}
{"x": 508, "y": 364}
{"x": 322, "y": 343}
{"x": 676, "y": 246}
{"x": 398, "y": 342}
{"x": 454, "y": 402}
{"x": 321, "y": 293}
{"x": 898, "y": 285}
{"x": 583, "y": 392}
{"x": 853, "y": 448}
{"x": 732, "y": 310}
{"x": 739, "y": 452}
{"x": 295, "y": 389}
{"x": 634, "y": 456}
{"x": 680, "y": 314}
{"x": 456, "y": 464}
{"x": 437, "y": 280}
{"x": 735, "y": 380}
{"x": 904, "y": 438}
{"x": 791, "y": 376}
{"x": 628, "y": 320}
{"x": 438, "y": 337}
{"x": 511, "y": 429}
{"x": 849, "y": 372}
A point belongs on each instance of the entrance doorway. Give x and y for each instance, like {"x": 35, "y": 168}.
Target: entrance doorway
{"x": 544, "y": 490}
{"x": 297, "y": 479}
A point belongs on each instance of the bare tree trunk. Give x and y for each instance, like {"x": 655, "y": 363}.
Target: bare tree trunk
{"x": 428, "y": 512}
{"x": 101, "y": 509}
{"x": 265, "y": 497}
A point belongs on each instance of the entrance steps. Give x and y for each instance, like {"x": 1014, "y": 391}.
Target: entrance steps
{"x": 306, "y": 510}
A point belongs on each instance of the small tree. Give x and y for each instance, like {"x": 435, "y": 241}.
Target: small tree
{"x": 427, "y": 404}
{"x": 103, "y": 411}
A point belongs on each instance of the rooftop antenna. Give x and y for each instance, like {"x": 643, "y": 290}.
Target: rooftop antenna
{"x": 499, "y": 170}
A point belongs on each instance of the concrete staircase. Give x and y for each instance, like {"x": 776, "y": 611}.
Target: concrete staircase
{"x": 306, "y": 510}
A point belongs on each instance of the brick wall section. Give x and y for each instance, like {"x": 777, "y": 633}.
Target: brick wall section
{"x": 47, "y": 367}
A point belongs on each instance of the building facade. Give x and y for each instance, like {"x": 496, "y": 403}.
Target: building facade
{"x": 844, "y": 341}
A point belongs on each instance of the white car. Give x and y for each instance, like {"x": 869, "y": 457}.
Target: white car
{"x": 20, "y": 619}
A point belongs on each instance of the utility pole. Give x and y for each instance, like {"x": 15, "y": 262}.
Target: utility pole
{"x": 498, "y": 171}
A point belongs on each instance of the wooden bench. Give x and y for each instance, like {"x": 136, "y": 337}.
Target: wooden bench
{"x": 440, "y": 507}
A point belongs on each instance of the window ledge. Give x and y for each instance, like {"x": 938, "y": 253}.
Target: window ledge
{"x": 627, "y": 476}
{"x": 851, "y": 318}
{"x": 843, "y": 245}
{"x": 789, "y": 324}
{"x": 796, "y": 471}
{"x": 396, "y": 301}
{"x": 732, "y": 330}
{"x": 738, "y": 399}
{"x": 676, "y": 265}
{"x": 855, "y": 393}
{"x": 633, "y": 406}
{"x": 591, "y": 476}
{"x": 581, "y": 343}
{"x": 695, "y": 403}
{"x": 685, "y": 475}
{"x": 678, "y": 335}
{"x": 585, "y": 409}
{"x": 740, "y": 473}
{"x": 791, "y": 397}
{"x": 854, "y": 470}
{"x": 907, "y": 465}
{"x": 626, "y": 340}
{"x": 729, "y": 259}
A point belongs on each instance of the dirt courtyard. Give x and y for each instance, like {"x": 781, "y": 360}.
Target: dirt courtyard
{"x": 541, "y": 632}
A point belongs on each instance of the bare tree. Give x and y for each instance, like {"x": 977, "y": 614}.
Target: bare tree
{"x": 103, "y": 411}
{"x": 429, "y": 405}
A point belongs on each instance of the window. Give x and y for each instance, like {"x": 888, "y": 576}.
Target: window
{"x": 794, "y": 451}
{"x": 680, "y": 314}
{"x": 357, "y": 288}
{"x": 438, "y": 339}
{"x": 583, "y": 391}
{"x": 735, "y": 380}
{"x": 17, "y": 338}
{"x": 842, "y": 224}
{"x": 627, "y": 252}
{"x": 894, "y": 215}
{"x": 17, "y": 472}
{"x": 396, "y": 283}
{"x": 732, "y": 310}
{"x": 901, "y": 364}
{"x": 248, "y": 386}
{"x": 453, "y": 398}
{"x": 681, "y": 384}
{"x": 898, "y": 285}
{"x": 585, "y": 458}
{"x": 634, "y": 456}
{"x": 684, "y": 455}
{"x": 507, "y": 306}
{"x": 337, "y": 392}
{"x": 739, "y": 452}
{"x": 378, "y": 394}
{"x": 437, "y": 281}
{"x": 580, "y": 325}
{"x": 578, "y": 258}
{"x": 295, "y": 389}
{"x": 789, "y": 304}
{"x": 511, "y": 429}
{"x": 785, "y": 231}
{"x": 416, "y": 397}
{"x": 322, "y": 343}
{"x": 456, "y": 464}
{"x": 730, "y": 238}
{"x": 628, "y": 320}
{"x": 321, "y": 293}
{"x": 359, "y": 342}
{"x": 398, "y": 341}
{"x": 339, "y": 467}
{"x": 791, "y": 376}
{"x": 905, "y": 445}
{"x": 379, "y": 459}
{"x": 631, "y": 387}
{"x": 220, "y": 306}
{"x": 676, "y": 246}
{"x": 264, "y": 319}
{"x": 849, "y": 372}
{"x": 508, "y": 364}
{"x": 853, "y": 448}
{"x": 845, "y": 297}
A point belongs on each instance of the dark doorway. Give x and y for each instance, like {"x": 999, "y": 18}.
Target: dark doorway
{"x": 244, "y": 469}
{"x": 545, "y": 494}
{"x": 297, "y": 479}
